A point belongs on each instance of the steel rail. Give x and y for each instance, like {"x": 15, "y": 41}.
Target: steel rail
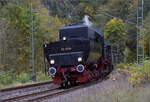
{"x": 49, "y": 93}
{"x": 28, "y": 95}
{"x": 26, "y": 86}
{"x": 64, "y": 91}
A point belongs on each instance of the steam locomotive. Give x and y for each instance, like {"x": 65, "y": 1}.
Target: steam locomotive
{"x": 81, "y": 55}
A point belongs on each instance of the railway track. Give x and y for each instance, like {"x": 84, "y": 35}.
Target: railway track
{"x": 25, "y": 86}
{"x": 46, "y": 94}
{"x": 25, "y": 89}
{"x": 30, "y": 96}
{"x": 51, "y": 95}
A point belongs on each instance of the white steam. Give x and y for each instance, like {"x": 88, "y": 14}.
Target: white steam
{"x": 87, "y": 21}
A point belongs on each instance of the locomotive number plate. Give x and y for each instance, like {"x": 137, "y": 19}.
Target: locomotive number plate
{"x": 66, "y": 49}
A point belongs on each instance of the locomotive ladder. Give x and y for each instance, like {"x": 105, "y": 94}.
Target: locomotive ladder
{"x": 140, "y": 36}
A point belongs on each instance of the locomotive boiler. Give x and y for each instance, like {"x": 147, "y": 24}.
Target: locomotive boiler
{"x": 80, "y": 55}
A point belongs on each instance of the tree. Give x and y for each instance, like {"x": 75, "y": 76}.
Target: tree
{"x": 46, "y": 29}
{"x": 114, "y": 32}
{"x": 120, "y": 8}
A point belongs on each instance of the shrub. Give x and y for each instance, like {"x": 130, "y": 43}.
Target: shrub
{"x": 137, "y": 77}
{"x": 23, "y": 77}
{"x": 40, "y": 76}
{"x": 140, "y": 76}
{"x": 5, "y": 78}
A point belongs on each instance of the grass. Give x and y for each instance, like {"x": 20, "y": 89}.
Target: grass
{"x": 9, "y": 80}
{"x": 137, "y": 77}
{"x": 118, "y": 95}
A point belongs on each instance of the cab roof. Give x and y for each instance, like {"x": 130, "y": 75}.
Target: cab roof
{"x": 79, "y": 31}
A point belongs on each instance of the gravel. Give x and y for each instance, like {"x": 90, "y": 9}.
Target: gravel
{"x": 104, "y": 87}
{"x": 18, "y": 92}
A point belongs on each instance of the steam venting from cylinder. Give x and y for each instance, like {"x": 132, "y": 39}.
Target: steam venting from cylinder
{"x": 87, "y": 21}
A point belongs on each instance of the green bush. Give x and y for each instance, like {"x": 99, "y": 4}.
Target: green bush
{"x": 122, "y": 66}
{"x": 23, "y": 77}
{"x": 129, "y": 56}
{"x": 140, "y": 76}
{"x": 40, "y": 76}
{"x": 5, "y": 78}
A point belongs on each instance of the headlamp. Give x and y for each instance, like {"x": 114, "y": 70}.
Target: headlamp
{"x": 52, "y": 61}
{"x": 64, "y": 38}
{"x": 79, "y": 59}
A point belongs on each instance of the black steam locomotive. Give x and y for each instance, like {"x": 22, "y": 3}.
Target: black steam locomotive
{"x": 79, "y": 56}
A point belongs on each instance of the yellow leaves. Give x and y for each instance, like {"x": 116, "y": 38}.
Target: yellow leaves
{"x": 57, "y": 21}
{"x": 89, "y": 11}
{"x": 114, "y": 30}
{"x": 66, "y": 21}
{"x": 35, "y": 2}
{"x": 54, "y": 36}
{"x": 115, "y": 23}
{"x": 114, "y": 75}
{"x": 140, "y": 41}
{"x": 49, "y": 25}
{"x": 146, "y": 39}
{"x": 129, "y": 70}
{"x": 132, "y": 4}
{"x": 43, "y": 11}
{"x": 144, "y": 31}
{"x": 43, "y": 15}
{"x": 124, "y": 33}
{"x": 113, "y": 20}
{"x": 134, "y": 76}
